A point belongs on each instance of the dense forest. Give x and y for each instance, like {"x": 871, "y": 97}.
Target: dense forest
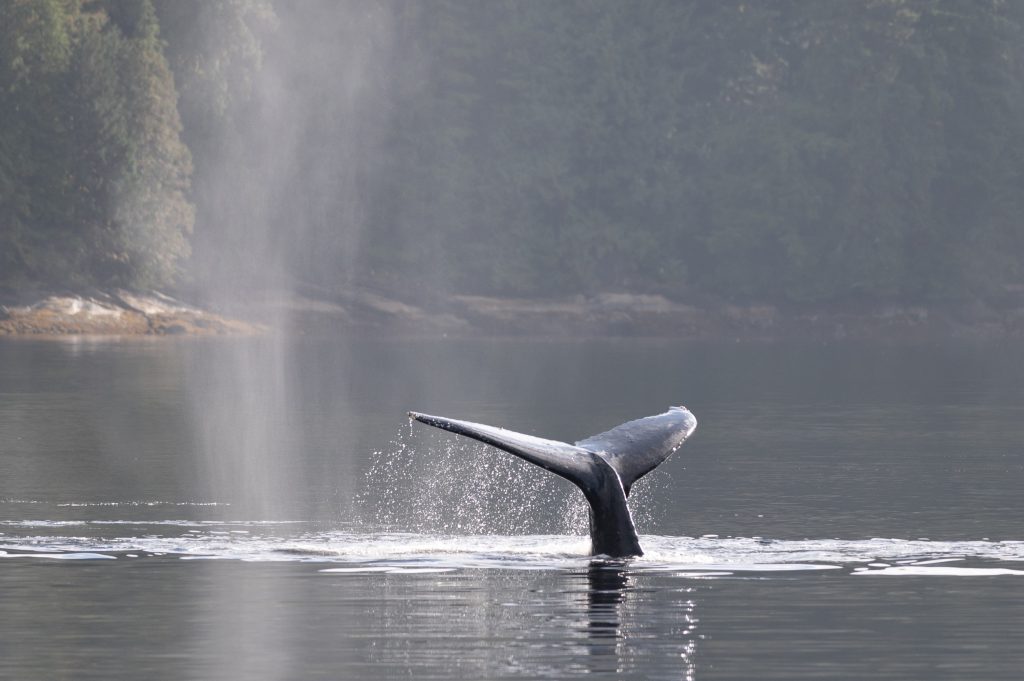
{"x": 830, "y": 151}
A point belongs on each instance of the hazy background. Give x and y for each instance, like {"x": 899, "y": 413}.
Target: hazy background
{"x": 833, "y": 151}
{"x": 826, "y": 155}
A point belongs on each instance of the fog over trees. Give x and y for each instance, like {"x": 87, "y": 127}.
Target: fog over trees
{"x": 826, "y": 151}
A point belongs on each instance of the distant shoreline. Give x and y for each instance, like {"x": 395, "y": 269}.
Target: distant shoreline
{"x": 362, "y": 312}
{"x": 111, "y": 313}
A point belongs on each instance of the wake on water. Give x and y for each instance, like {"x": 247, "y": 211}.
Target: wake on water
{"x": 402, "y": 552}
{"x": 460, "y": 507}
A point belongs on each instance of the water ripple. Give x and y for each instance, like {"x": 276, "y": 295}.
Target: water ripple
{"x": 402, "y": 552}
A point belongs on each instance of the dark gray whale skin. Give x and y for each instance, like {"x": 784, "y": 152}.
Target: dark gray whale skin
{"x": 603, "y": 466}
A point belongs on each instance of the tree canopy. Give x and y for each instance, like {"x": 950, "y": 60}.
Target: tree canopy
{"x": 784, "y": 150}
{"x": 791, "y": 151}
{"x": 93, "y": 174}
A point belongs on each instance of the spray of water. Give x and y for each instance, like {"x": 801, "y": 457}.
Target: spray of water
{"x": 289, "y": 177}
{"x": 245, "y": 423}
{"x": 429, "y": 483}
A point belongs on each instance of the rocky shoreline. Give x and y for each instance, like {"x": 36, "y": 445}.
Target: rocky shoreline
{"x": 111, "y": 313}
{"x": 365, "y": 312}
{"x": 651, "y": 315}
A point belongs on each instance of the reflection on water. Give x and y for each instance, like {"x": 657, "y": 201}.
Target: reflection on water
{"x": 607, "y": 585}
{"x": 454, "y": 606}
{"x": 357, "y": 549}
{"x": 139, "y": 538}
{"x": 611, "y": 629}
{"x": 244, "y": 419}
{"x": 615, "y": 626}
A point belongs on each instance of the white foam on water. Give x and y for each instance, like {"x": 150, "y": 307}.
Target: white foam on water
{"x": 745, "y": 567}
{"x": 945, "y": 571}
{"x": 829, "y": 551}
{"x": 116, "y": 504}
{"x": 701, "y": 575}
{"x": 170, "y": 522}
{"x": 403, "y": 552}
{"x": 83, "y": 555}
{"x": 42, "y": 523}
{"x": 388, "y": 570}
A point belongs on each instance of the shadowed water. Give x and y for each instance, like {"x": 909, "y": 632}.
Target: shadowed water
{"x": 143, "y": 536}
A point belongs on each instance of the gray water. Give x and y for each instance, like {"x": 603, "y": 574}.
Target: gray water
{"x": 261, "y": 509}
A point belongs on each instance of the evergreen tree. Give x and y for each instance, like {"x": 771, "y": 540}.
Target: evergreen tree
{"x": 790, "y": 151}
{"x": 96, "y": 195}
{"x": 35, "y": 48}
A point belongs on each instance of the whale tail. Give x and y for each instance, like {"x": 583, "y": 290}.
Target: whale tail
{"x": 603, "y": 466}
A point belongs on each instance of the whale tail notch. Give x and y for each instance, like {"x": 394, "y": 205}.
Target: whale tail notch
{"x": 603, "y": 466}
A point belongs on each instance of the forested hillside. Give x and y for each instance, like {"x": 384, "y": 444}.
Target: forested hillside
{"x": 829, "y": 151}
{"x": 93, "y": 174}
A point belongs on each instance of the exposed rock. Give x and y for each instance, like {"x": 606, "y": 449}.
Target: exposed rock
{"x": 116, "y": 313}
{"x": 378, "y": 310}
{"x": 619, "y": 314}
{"x": 362, "y": 311}
{"x": 311, "y": 311}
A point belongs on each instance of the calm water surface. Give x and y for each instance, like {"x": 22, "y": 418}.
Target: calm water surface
{"x": 261, "y": 509}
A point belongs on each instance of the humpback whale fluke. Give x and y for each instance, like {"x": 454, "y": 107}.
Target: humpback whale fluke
{"x": 603, "y": 466}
